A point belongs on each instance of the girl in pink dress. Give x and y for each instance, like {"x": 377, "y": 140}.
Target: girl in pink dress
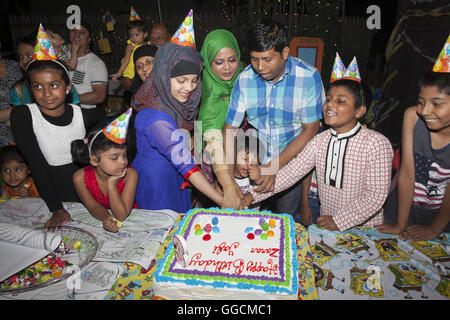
{"x": 107, "y": 186}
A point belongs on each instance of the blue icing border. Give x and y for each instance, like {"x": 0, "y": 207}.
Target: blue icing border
{"x": 222, "y": 284}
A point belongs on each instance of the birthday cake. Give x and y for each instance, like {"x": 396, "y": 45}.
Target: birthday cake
{"x": 228, "y": 254}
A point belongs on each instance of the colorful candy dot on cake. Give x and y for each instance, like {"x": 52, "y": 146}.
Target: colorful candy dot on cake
{"x": 215, "y": 221}
{"x": 250, "y": 236}
{"x": 264, "y": 236}
{"x": 77, "y": 245}
{"x": 248, "y": 229}
{"x": 261, "y": 221}
{"x": 198, "y": 232}
{"x": 216, "y": 229}
{"x": 208, "y": 228}
{"x": 270, "y": 233}
{"x": 265, "y": 226}
{"x": 207, "y": 237}
{"x": 258, "y": 232}
{"x": 272, "y": 223}
{"x": 197, "y": 226}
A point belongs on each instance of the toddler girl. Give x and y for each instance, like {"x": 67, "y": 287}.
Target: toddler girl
{"x": 137, "y": 33}
{"x": 66, "y": 52}
{"x": 108, "y": 182}
{"x": 17, "y": 181}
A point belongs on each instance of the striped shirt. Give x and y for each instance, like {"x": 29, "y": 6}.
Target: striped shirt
{"x": 354, "y": 193}
{"x": 277, "y": 110}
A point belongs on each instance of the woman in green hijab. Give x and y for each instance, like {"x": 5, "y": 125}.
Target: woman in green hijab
{"x": 222, "y": 66}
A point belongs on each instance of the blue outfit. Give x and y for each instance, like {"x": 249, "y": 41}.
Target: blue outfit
{"x": 28, "y": 98}
{"x": 162, "y": 161}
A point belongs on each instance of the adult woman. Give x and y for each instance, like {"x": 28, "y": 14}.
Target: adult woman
{"x": 9, "y": 74}
{"x": 90, "y": 78}
{"x": 222, "y": 66}
{"x": 143, "y": 64}
{"x": 167, "y": 102}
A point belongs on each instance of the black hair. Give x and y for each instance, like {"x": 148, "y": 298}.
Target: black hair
{"x": 41, "y": 65}
{"x": 439, "y": 79}
{"x": 139, "y": 24}
{"x": 267, "y": 34}
{"x": 28, "y": 39}
{"x": 251, "y": 142}
{"x": 360, "y": 91}
{"x": 10, "y": 153}
{"x": 80, "y": 148}
{"x": 61, "y": 31}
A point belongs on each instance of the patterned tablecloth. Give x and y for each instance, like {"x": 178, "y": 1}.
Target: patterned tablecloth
{"x": 135, "y": 283}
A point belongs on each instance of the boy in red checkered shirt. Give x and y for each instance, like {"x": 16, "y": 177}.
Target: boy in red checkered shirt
{"x": 353, "y": 163}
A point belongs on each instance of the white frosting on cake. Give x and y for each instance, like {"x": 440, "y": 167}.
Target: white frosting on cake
{"x": 231, "y": 255}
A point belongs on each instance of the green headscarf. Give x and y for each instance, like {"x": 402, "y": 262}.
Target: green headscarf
{"x": 216, "y": 92}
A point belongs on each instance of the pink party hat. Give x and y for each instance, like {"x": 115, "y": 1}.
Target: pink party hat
{"x": 117, "y": 130}
{"x": 185, "y": 33}
{"x": 338, "y": 69}
{"x": 442, "y": 63}
{"x": 134, "y": 15}
{"x": 352, "y": 72}
{"x": 43, "y": 49}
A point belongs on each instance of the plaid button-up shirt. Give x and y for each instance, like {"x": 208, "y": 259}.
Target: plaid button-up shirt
{"x": 366, "y": 176}
{"x": 277, "y": 110}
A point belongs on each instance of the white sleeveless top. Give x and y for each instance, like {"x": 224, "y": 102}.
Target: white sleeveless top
{"x": 54, "y": 141}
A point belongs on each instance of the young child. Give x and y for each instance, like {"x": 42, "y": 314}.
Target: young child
{"x": 137, "y": 33}
{"x": 65, "y": 52}
{"x": 420, "y": 208}
{"x": 17, "y": 181}
{"x": 44, "y": 130}
{"x": 108, "y": 182}
{"x": 353, "y": 163}
{"x": 246, "y": 169}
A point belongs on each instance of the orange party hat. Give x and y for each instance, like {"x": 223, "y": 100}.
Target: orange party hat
{"x": 442, "y": 63}
{"x": 185, "y": 33}
{"x": 43, "y": 49}
{"x": 134, "y": 15}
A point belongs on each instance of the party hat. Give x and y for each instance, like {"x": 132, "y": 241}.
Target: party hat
{"x": 338, "y": 69}
{"x": 117, "y": 130}
{"x": 442, "y": 63}
{"x": 185, "y": 33}
{"x": 43, "y": 49}
{"x": 352, "y": 72}
{"x": 134, "y": 15}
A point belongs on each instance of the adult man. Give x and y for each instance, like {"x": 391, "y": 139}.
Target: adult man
{"x": 159, "y": 35}
{"x": 90, "y": 77}
{"x": 282, "y": 97}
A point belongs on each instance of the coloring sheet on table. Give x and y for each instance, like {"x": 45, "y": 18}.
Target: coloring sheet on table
{"x": 138, "y": 240}
{"x": 361, "y": 263}
{"x": 91, "y": 283}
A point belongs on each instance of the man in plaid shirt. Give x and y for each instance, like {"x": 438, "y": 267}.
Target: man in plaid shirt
{"x": 282, "y": 97}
